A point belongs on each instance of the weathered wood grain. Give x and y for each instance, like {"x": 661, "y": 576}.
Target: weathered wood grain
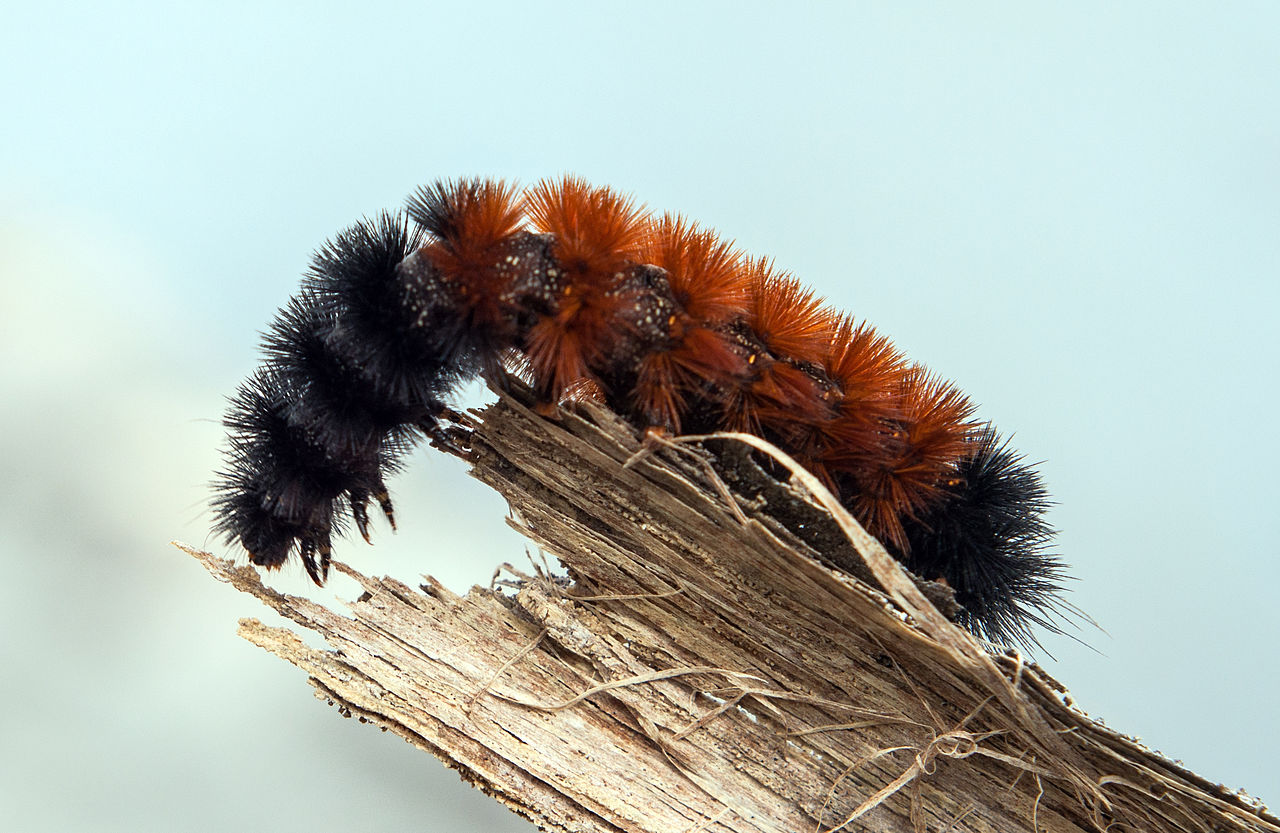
{"x": 702, "y": 670}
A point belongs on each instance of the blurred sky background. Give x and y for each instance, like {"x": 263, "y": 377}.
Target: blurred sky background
{"x": 1074, "y": 212}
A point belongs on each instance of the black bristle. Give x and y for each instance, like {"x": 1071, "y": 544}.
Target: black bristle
{"x": 348, "y": 382}
{"x": 405, "y": 351}
{"x": 437, "y": 207}
{"x": 988, "y": 540}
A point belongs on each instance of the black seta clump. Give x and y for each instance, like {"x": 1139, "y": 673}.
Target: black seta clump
{"x": 350, "y": 381}
{"x": 989, "y": 541}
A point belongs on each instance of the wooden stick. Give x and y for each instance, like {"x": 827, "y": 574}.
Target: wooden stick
{"x": 706, "y": 672}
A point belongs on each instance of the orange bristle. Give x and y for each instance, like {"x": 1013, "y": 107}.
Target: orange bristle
{"x": 868, "y": 373}
{"x": 788, "y": 318}
{"x": 789, "y": 333}
{"x": 659, "y": 395}
{"x": 864, "y": 364}
{"x": 875, "y": 506}
{"x": 561, "y": 347}
{"x": 789, "y": 400}
{"x": 773, "y": 395}
{"x": 739, "y": 410}
{"x": 701, "y": 357}
{"x": 936, "y": 419}
{"x": 597, "y": 235}
{"x": 597, "y": 229}
{"x": 705, "y": 273}
{"x": 861, "y": 376}
{"x": 925, "y": 442}
{"x": 469, "y": 219}
{"x": 708, "y": 286}
{"x": 467, "y": 216}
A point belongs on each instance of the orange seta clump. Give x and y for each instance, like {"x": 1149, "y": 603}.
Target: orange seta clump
{"x": 597, "y": 235}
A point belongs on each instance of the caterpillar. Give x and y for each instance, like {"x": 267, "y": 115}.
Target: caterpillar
{"x": 586, "y": 293}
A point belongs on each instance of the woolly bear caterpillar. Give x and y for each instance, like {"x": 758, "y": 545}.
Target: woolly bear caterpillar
{"x": 670, "y": 326}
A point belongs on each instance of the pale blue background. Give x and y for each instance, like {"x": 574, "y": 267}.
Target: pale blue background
{"x": 1073, "y": 214}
